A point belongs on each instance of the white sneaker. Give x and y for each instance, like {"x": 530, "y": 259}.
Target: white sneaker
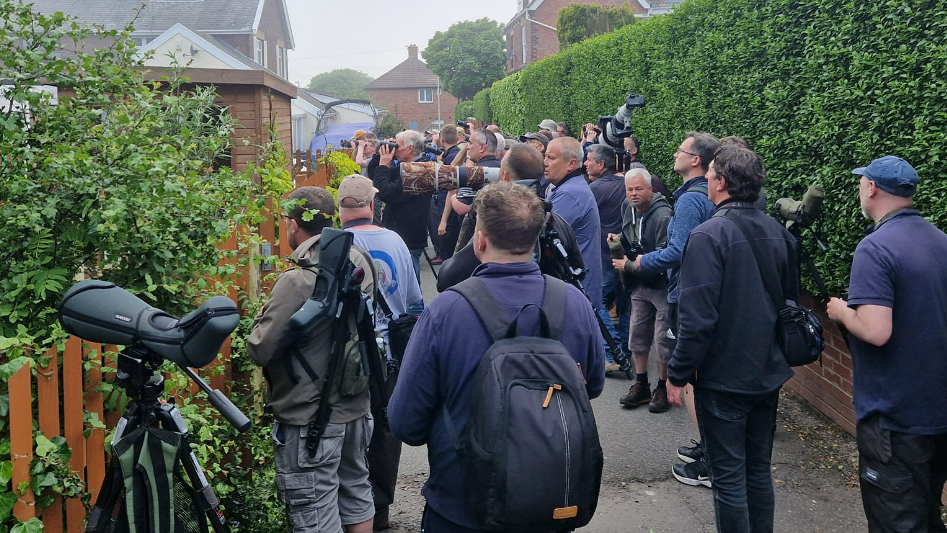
{"x": 611, "y": 367}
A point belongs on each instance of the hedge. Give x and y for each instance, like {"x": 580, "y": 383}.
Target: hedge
{"x": 817, "y": 87}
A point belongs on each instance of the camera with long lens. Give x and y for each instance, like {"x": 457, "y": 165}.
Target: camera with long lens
{"x": 431, "y": 178}
{"x": 802, "y": 212}
{"x": 427, "y": 148}
{"x": 615, "y": 128}
{"x": 463, "y": 124}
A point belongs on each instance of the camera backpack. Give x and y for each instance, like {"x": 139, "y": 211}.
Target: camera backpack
{"x": 531, "y": 452}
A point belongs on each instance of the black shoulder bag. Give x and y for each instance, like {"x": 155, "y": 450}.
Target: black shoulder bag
{"x": 798, "y": 330}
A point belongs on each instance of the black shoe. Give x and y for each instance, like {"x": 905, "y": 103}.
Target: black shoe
{"x": 659, "y": 401}
{"x": 689, "y": 454}
{"x": 638, "y": 394}
{"x": 693, "y": 474}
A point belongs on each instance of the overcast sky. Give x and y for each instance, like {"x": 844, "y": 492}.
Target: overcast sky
{"x": 372, "y": 36}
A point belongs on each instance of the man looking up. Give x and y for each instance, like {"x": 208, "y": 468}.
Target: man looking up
{"x": 691, "y": 208}
{"x": 895, "y": 313}
{"x": 320, "y": 496}
{"x": 645, "y": 218}
{"x": 572, "y": 199}
{"x": 727, "y": 347}
{"x": 608, "y": 189}
{"x": 449, "y": 342}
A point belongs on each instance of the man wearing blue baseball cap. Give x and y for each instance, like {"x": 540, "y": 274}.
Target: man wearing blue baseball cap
{"x": 896, "y": 313}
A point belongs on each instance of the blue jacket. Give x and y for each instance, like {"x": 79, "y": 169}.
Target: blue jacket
{"x": 445, "y": 349}
{"x": 691, "y": 208}
{"x": 574, "y": 202}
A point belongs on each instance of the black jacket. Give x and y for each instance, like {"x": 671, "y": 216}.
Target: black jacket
{"x": 405, "y": 215}
{"x": 462, "y": 264}
{"x": 726, "y": 331}
{"x": 654, "y": 236}
{"x": 489, "y": 161}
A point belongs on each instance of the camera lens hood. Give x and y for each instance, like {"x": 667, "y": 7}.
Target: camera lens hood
{"x": 100, "y": 311}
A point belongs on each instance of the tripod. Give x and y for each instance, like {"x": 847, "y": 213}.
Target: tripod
{"x": 154, "y": 483}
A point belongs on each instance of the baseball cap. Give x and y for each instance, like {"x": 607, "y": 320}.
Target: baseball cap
{"x": 548, "y": 124}
{"x": 892, "y": 174}
{"x": 359, "y": 134}
{"x": 536, "y": 137}
{"x": 356, "y": 191}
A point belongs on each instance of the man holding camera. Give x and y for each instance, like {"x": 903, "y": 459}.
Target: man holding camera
{"x": 726, "y": 343}
{"x": 324, "y": 489}
{"x": 895, "y": 314}
{"x": 608, "y": 188}
{"x": 449, "y": 342}
{"x": 405, "y": 215}
{"x": 645, "y": 218}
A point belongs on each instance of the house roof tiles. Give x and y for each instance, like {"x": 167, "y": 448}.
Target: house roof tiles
{"x": 212, "y": 16}
{"x": 409, "y": 74}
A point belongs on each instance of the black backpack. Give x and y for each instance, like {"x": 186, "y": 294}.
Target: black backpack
{"x": 532, "y": 457}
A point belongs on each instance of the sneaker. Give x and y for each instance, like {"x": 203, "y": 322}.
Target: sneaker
{"x": 693, "y": 474}
{"x": 659, "y": 401}
{"x": 611, "y": 367}
{"x": 638, "y": 394}
{"x": 689, "y": 454}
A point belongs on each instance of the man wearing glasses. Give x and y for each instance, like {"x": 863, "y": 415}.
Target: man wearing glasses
{"x": 691, "y": 208}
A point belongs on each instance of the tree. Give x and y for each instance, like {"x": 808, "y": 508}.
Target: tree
{"x": 389, "y": 126}
{"x": 578, "y": 22}
{"x": 467, "y": 57}
{"x": 341, "y": 83}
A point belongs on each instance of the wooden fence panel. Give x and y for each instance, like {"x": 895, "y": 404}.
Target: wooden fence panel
{"x": 95, "y": 442}
{"x": 20, "y": 388}
{"x": 47, "y": 397}
{"x": 72, "y": 378}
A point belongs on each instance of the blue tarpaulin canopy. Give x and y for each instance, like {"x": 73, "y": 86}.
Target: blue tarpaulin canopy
{"x": 334, "y": 134}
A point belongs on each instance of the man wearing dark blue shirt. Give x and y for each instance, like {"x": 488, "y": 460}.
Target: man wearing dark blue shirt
{"x": 449, "y": 341}
{"x": 895, "y": 313}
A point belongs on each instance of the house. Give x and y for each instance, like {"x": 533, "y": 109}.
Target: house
{"x": 238, "y": 46}
{"x": 531, "y": 33}
{"x": 412, "y": 93}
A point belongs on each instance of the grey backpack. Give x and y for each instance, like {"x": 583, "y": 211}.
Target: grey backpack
{"x": 531, "y": 452}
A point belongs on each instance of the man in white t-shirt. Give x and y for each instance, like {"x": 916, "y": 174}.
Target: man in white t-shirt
{"x": 398, "y": 285}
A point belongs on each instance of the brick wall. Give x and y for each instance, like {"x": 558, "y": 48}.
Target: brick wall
{"x": 828, "y": 387}
{"x": 243, "y": 43}
{"x": 274, "y": 32}
{"x": 403, "y": 103}
{"x": 542, "y": 41}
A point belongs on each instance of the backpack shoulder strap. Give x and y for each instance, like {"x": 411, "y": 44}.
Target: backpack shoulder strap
{"x": 554, "y": 305}
{"x": 475, "y": 291}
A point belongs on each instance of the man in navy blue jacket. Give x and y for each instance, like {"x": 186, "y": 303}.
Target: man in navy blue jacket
{"x": 449, "y": 341}
{"x": 726, "y": 342}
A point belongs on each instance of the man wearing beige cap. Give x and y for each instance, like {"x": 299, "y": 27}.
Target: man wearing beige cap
{"x": 399, "y": 287}
{"x": 549, "y": 124}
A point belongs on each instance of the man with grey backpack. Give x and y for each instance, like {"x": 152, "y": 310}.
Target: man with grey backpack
{"x": 496, "y": 381}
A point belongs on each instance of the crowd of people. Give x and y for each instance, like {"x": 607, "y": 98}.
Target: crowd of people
{"x": 673, "y": 273}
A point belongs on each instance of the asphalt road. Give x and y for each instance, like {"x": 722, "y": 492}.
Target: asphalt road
{"x": 812, "y": 469}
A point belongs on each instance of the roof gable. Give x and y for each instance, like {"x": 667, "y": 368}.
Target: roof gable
{"x": 156, "y": 16}
{"x": 409, "y": 74}
{"x": 203, "y": 44}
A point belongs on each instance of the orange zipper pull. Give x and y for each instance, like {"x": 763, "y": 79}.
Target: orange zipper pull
{"x": 554, "y": 386}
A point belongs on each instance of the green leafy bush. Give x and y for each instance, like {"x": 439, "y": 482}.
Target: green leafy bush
{"x": 817, "y": 87}
{"x": 464, "y": 110}
{"x": 578, "y": 22}
{"x": 481, "y": 106}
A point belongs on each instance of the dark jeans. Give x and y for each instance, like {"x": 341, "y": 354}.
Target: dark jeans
{"x": 901, "y": 478}
{"x": 737, "y": 433}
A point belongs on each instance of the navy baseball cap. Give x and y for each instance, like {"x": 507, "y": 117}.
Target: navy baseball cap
{"x": 891, "y": 174}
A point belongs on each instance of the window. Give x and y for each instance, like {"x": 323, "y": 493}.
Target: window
{"x": 425, "y": 96}
{"x": 259, "y": 51}
{"x": 281, "y": 61}
{"x": 523, "y": 38}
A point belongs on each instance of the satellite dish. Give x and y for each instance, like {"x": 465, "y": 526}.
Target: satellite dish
{"x": 194, "y": 51}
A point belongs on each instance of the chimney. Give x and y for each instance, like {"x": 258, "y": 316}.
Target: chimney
{"x": 413, "y": 51}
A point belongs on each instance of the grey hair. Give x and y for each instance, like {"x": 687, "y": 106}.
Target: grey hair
{"x": 413, "y": 139}
{"x": 603, "y": 154}
{"x": 570, "y": 149}
{"x": 639, "y": 173}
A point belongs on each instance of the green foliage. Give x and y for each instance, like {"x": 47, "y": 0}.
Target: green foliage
{"x": 481, "y": 106}
{"x": 468, "y": 56}
{"x": 817, "y": 88}
{"x": 388, "y": 126}
{"x": 465, "y": 109}
{"x": 578, "y": 22}
{"x": 341, "y": 83}
{"x": 340, "y": 165}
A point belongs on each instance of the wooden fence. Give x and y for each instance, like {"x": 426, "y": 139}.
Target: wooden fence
{"x": 68, "y": 385}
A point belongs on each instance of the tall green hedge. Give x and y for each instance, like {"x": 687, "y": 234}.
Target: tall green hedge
{"x": 481, "y": 105}
{"x": 818, "y": 87}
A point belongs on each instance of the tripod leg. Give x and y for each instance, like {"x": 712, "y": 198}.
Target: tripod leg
{"x": 619, "y": 355}
{"x": 429, "y": 263}
{"x": 207, "y": 499}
